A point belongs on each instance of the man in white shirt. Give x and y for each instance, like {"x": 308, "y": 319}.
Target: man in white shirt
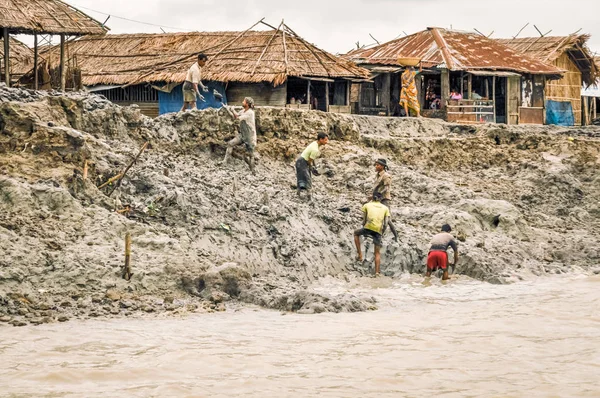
{"x": 193, "y": 79}
{"x": 246, "y": 134}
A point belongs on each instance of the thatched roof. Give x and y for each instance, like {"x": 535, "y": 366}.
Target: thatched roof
{"x": 456, "y": 51}
{"x": 48, "y": 17}
{"x": 21, "y": 56}
{"x": 549, "y": 48}
{"x": 249, "y": 56}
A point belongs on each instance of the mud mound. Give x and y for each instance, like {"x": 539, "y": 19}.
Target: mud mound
{"x": 523, "y": 202}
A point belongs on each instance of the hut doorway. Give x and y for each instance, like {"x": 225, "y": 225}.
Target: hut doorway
{"x": 500, "y": 98}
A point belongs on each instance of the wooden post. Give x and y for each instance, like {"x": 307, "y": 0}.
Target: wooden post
{"x": 6, "y": 57}
{"x": 445, "y": 83}
{"x": 127, "y": 268}
{"x": 386, "y": 88}
{"x": 36, "y": 83}
{"x": 586, "y": 111}
{"x": 462, "y": 85}
{"x": 470, "y": 86}
{"x": 63, "y": 77}
{"x": 494, "y": 95}
{"x": 487, "y": 87}
{"x": 308, "y": 94}
{"x": 326, "y": 96}
{"x": 348, "y": 88}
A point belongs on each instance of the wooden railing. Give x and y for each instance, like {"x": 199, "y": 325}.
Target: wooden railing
{"x": 471, "y": 111}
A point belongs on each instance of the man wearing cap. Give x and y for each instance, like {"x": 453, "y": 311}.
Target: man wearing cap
{"x": 193, "y": 79}
{"x": 375, "y": 219}
{"x": 305, "y": 164}
{"x": 438, "y": 256}
{"x": 246, "y": 134}
{"x": 383, "y": 186}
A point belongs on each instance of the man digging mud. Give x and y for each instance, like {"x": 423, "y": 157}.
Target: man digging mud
{"x": 438, "y": 256}
{"x": 383, "y": 187}
{"x": 193, "y": 79}
{"x": 375, "y": 219}
{"x": 305, "y": 165}
{"x": 246, "y": 134}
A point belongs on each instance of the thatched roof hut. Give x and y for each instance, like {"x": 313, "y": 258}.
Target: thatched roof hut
{"x": 250, "y": 56}
{"x": 549, "y": 49}
{"x": 47, "y": 17}
{"x": 569, "y": 53}
{"x": 21, "y": 57}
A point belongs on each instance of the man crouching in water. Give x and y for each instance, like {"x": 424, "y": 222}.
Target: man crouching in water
{"x": 438, "y": 256}
{"x": 375, "y": 220}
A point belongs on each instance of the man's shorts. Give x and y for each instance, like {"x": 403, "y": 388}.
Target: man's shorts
{"x": 189, "y": 94}
{"x": 377, "y": 238}
{"x": 437, "y": 260}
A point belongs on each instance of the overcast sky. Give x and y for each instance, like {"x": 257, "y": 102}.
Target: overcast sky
{"x": 336, "y": 26}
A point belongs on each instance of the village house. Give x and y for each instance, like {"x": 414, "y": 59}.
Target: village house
{"x": 40, "y": 18}
{"x": 564, "y": 103}
{"x": 486, "y": 73}
{"x": 20, "y": 60}
{"x": 276, "y": 67}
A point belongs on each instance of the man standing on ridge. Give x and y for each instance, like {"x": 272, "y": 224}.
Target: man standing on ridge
{"x": 438, "y": 257}
{"x": 305, "y": 164}
{"x": 375, "y": 219}
{"x": 383, "y": 186}
{"x": 193, "y": 79}
{"x": 247, "y": 133}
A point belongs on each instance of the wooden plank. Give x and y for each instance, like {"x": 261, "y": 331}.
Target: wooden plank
{"x": 63, "y": 80}
{"x": 6, "y": 57}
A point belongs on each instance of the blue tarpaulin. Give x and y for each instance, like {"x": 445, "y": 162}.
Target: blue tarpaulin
{"x": 173, "y": 101}
{"x": 559, "y": 113}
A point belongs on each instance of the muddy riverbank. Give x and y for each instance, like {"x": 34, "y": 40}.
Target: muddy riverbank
{"x": 523, "y": 201}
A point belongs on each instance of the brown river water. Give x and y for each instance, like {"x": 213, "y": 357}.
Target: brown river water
{"x": 461, "y": 339}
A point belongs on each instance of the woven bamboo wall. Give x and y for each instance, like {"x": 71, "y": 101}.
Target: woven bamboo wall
{"x": 568, "y": 88}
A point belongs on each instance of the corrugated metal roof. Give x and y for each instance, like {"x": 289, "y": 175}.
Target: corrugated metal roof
{"x": 464, "y": 51}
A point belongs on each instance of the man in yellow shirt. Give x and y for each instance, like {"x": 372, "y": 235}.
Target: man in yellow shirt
{"x": 305, "y": 164}
{"x": 375, "y": 220}
{"x": 193, "y": 79}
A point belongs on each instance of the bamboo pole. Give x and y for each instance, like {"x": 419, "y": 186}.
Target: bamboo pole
{"x": 63, "y": 80}
{"x": 6, "y": 57}
{"x": 266, "y": 48}
{"x": 118, "y": 183}
{"x": 85, "y": 170}
{"x": 36, "y": 83}
{"x": 127, "y": 268}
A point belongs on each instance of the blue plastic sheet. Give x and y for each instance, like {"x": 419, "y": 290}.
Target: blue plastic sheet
{"x": 559, "y": 113}
{"x": 173, "y": 101}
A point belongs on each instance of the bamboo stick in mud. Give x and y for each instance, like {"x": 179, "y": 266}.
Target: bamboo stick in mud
{"x": 85, "y": 170}
{"x": 127, "y": 268}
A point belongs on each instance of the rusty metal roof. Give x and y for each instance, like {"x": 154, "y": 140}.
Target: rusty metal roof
{"x": 457, "y": 51}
